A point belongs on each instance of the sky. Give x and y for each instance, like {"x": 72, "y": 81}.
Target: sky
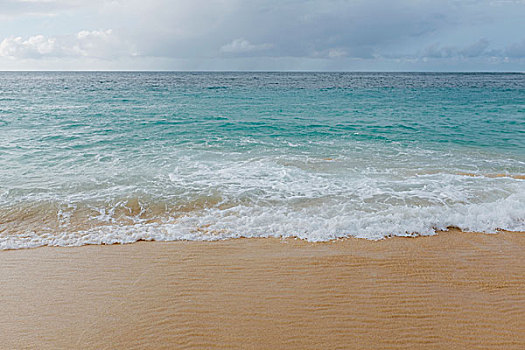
{"x": 291, "y": 35}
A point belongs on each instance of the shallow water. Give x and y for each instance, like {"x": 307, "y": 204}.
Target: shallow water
{"x": 118, "y": 157}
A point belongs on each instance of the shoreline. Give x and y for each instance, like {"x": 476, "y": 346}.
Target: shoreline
{"x": 450, "y": 229}
{"x": 450, "y": 290}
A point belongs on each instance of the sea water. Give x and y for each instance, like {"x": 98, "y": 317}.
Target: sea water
{"x": 107, "y": 157}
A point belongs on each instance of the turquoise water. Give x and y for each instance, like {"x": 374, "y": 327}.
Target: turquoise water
{"x": 119, "y": 157}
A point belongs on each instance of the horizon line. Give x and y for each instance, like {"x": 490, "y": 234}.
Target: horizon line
{"x": 262, "y": 71}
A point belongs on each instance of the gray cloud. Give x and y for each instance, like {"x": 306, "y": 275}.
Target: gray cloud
{"x": 331, "y": 28}
{"x": 516, "y": 50}
{"x": 235, "y": 33}
{"x": 315, "y": 29}
{"x": 479, "y": 48}
{"x": 18, "y": 8}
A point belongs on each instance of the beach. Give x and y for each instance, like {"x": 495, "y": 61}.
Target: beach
{"x": 262, "y": 210}
{"x": 454, "y": 290}
{"x": 262, "y": 174}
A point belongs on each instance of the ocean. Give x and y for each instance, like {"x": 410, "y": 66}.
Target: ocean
{"x": 118, "y": 157}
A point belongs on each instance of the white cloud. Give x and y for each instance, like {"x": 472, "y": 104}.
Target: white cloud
{"x": 242, "y": 46}
{"x": 103, "y": 44}
{"x": 32, "y": 47}
{"x": 337, "y": 52}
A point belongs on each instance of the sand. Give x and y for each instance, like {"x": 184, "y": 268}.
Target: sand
{"x": 451, "y": 291}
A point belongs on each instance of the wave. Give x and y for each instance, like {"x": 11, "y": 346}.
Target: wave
{"x": 216, "y": 217}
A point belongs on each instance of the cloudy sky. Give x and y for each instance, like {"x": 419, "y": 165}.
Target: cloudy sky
{"x": 373, "y": 35}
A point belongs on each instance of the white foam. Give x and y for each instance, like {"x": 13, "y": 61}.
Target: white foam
{"x": 361, "y": 194}
{"x": 315, "y": 223}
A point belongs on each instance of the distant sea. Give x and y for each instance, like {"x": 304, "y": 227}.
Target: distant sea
{"x": 101, "y": 158}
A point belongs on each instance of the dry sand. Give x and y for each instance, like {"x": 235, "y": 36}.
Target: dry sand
{"x": 451, "y": 291}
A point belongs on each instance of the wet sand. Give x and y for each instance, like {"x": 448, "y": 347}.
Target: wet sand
{"x": 451, "y": 291}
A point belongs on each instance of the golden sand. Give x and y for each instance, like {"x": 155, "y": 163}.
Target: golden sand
{"x": 518, "y": 177}
{"x": 451, "y": 291}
